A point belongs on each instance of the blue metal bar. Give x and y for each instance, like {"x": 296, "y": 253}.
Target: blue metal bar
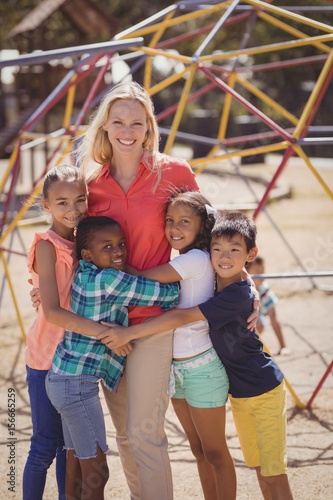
{"x": 216, "y": 28}
{"x": 318, "y": 274}
{"x": 147, "y": 22}
{"x": 49, "y": 55}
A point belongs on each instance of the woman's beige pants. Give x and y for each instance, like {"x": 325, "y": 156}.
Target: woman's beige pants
{"x": 138, "y": 413}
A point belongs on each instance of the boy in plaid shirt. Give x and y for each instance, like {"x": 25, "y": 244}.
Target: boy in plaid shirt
{"x": 100, "y": 291}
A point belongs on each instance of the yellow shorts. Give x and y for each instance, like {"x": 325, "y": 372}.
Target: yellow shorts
{"x": 260, "y": 422}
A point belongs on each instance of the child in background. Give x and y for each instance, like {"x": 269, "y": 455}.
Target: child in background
{"x": 100, "y": 291}
{"x": 257, "y": 392}
{"x": 268, "y": 299}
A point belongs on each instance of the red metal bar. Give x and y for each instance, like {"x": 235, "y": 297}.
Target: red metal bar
{"x": 91, "y": 94}
{"x": 220, "y": 83}
{"x": 319, "y": 99}
{"x": 8, "y": 250}
{"x": 288, "y": 154}
{"x": 192, "y": 97}
{"x": 199, "y": 31}
{"x": 273, "y": 66}
{"x": 59, "y": 92}
{"x": 321, "y": 382}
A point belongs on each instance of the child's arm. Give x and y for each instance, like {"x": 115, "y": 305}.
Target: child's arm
{"x": 117, "y": 336}
{"x": 276, "y": 326}
{"x": 128, "y": 290}
{"x": 164, "y": 274}
{"x": 45, "y": 262}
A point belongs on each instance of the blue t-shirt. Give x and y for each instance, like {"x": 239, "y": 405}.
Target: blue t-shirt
{"x": 251, "y": 371}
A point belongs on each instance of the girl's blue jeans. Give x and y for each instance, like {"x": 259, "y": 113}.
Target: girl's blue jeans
{"x": 46, "y": 442}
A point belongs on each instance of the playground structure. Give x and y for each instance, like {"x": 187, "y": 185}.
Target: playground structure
{"x": 208, "y": 71}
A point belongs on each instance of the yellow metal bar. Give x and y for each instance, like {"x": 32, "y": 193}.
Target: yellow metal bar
{"x": 147, "y": 73}
{"x": 11, "y": 162}
{"x": 34, "y": 135}
{"x": 148, "y": 66}
{"x": 173, "y": 22}
{"x": 290, "y": 15}
{"x": 69, "y": 103}
{"x": 314, "y": 95}
{"x": 156, "y": 52}
{"x": 223, "y": 124}
{"x": 21, "y": 212}
{"x": 298, "y": 402}
{"x": 240, "y": 153}
{"x": 180, "y": 109}
{"x": 226, "y": 109}
{"x": 308, "y": 163}
{"x": 68, "y": 149}
{"x": 267, "y": 48}
{"x": 12, "y": 292}
{"x": 168, "y": 81}
{"x": 289, "y": 29}
{"x": 267, "y": 100}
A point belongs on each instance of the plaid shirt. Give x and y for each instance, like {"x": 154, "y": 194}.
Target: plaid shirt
{"x": 267, "y": 298}
{"x": 102, "y": 295}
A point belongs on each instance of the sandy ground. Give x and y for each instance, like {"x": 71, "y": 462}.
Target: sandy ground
{"x": 293, "y": 233}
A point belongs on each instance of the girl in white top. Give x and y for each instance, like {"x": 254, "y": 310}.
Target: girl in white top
{"x": 198, "y": 381}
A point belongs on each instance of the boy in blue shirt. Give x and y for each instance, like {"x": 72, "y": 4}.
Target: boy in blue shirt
{"x": 257, "y": 392}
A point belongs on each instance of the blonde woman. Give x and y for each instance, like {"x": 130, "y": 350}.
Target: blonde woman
{"x": 130, "y": 181}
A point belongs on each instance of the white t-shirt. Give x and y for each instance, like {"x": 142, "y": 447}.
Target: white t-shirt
{"x": 197, "y": 286}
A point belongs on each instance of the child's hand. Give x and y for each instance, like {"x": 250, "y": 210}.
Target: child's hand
{"x": 115, "y": 337}
{"x": 253, "y": 319}
{"x": 34, "y": 296}
{"x": 123, "y": 351}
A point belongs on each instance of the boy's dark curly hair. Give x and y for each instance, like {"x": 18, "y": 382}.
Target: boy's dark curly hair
{"x": 86, "y": 228}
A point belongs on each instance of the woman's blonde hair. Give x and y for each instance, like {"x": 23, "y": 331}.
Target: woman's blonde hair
{"x": 95, "y": 146}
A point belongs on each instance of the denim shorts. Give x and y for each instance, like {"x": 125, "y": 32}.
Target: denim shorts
{"x": 201, "y": 380}
{"x": 76, "y": 398}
